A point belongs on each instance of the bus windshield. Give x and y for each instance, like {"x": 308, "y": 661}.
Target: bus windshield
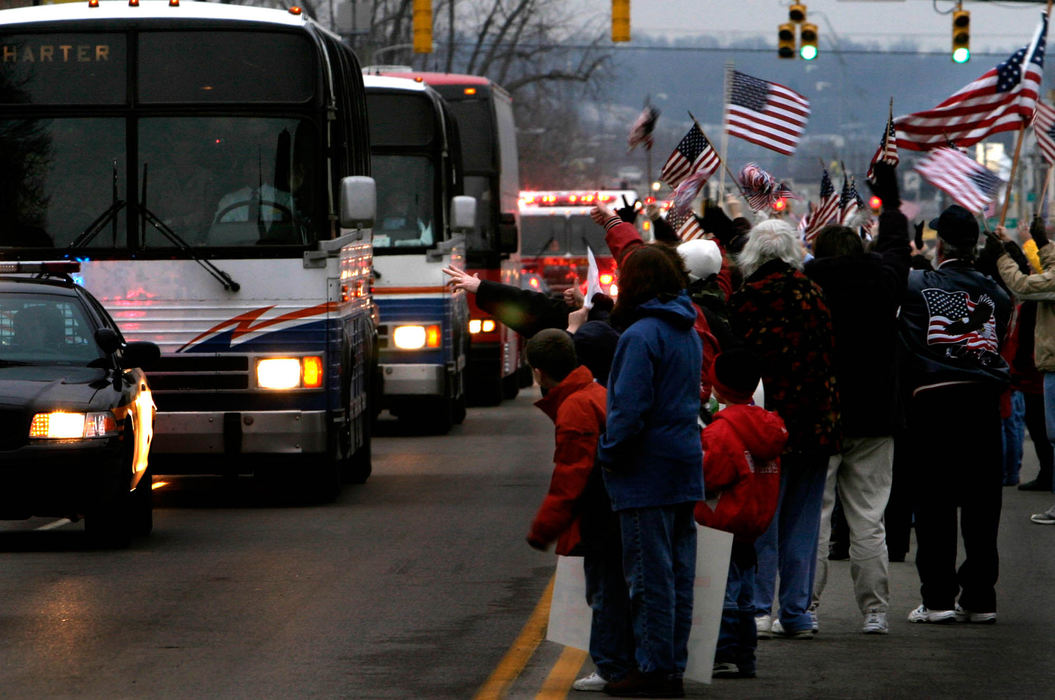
{"x": 214, "y": 181}
{"x": 405, "y": 208}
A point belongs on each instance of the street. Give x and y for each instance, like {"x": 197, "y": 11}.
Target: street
{"x": 416, "y": 584}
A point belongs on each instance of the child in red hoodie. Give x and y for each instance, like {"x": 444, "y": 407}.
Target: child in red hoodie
{"x": 577, "y": 513}
{"x": 741, "y": 467}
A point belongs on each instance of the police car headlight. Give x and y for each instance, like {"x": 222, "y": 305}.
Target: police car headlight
{"x": 65, "y": 425}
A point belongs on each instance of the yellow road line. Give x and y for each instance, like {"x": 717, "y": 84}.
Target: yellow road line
{"x": 559, "y": 680}
{"x": 520, "y": 652}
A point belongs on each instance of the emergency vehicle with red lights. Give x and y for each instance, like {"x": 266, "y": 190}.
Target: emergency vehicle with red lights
{"x": 208, "y": 164}
{"x": 556, "y": 230}
{"x": 484, "y": 114}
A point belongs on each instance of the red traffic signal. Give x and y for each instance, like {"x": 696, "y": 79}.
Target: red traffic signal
{"x": 875, "y": 203}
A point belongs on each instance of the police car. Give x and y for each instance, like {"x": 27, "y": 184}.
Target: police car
{"x": 76, "y": 413}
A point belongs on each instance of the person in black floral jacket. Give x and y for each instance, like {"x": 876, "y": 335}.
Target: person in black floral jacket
{"x": 782, "y": 317}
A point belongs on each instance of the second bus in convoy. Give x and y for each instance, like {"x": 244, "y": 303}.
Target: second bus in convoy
{"x": 484, "y": 113}
{"x": 208, "y": 166}
{"x": 421, "y": 221}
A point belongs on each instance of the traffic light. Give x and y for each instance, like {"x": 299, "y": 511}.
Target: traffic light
{"x": 620, "y": 20}
{"x": 780, "y": 206}
{"x": 961, "y": 36}
{"x": 786, "y": 40}
{"x": 422, "y": 26}
{"x": 797, "y": 13}
{"x": 875, "y": 204}
{"x": 808, "y": 49}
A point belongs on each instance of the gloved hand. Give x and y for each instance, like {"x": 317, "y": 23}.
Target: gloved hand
{"x": 918, "y": 239}
{"x": 1038, "y": 232}
{"x": 627, "y": 212}
{"x": 1012, "y": 249}
{"x": 537, "y": 544}
{"x": 663, "y": 231}
{"x": 884, "y": 185}
{"x": 717, "y": 222}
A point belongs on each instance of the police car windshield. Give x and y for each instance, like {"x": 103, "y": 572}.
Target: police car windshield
{"x": 40, "y": 329}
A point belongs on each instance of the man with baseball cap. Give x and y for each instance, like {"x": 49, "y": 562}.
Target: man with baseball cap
{"x": 951, "y": 325}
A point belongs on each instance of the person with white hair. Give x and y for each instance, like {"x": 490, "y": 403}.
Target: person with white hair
{"x": 782, "y": 317}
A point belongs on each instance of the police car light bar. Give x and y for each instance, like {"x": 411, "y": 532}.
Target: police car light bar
{"x": 62, "y": 267}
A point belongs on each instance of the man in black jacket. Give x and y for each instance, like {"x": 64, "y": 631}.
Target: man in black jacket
{"x": 952, "y": 322}
{"x": 863, "y": 291}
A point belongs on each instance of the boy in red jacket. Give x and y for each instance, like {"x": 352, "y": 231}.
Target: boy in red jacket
{"x": 576, "y": 513}
{"x": 741, "y": 466}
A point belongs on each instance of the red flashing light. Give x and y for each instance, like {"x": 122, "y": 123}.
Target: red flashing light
{"x": 133, "y": 3}
{"x": 470, "y": 91}
{"x": 606, "y": 279}
{"x": 295, "y": 10}
{"x": 173, "y": 3}
{"x": 780, "y": 205}
{"x": 93, "y": 3}
{"x": 875, "y": 203}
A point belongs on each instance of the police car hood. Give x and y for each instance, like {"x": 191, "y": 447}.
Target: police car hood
{"x": 50, "y": 386}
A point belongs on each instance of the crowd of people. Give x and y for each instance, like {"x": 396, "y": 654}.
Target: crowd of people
{"x": 749, "y": 382}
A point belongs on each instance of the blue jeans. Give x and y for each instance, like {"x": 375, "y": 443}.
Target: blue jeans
{"x": 737, "y": 636}
{"x": 1014, "y": 429}
{"x": 1049, "y": 408}
{"x": 790, "y": 542}
{"x": 659, "y": 561}
{"x": 611, "y": 631}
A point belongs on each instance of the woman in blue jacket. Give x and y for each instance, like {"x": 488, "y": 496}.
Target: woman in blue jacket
{"x": 653, "y": 465}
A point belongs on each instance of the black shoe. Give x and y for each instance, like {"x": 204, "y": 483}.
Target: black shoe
{"x": 1035, "y": 485}
{"x": 896, "y": 556}
{"x": 657, "y": 684}
{"x": 727, "y": 669}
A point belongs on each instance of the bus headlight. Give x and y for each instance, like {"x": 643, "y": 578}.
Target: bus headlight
{"x": 416, "y": 337}
{"x": 477, "y": 325}
{"x": 63, "y": 425}
{"x": 289, "y": 372}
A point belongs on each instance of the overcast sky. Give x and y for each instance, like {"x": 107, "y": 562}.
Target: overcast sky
{"x": 995, "y": 26}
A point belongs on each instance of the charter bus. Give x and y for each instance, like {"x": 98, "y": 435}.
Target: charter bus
{"x": 208, "y": 165}
{"x": 484, "y": 112}
{"x": 420, "y": 228}
{"x": 556, "y": 230}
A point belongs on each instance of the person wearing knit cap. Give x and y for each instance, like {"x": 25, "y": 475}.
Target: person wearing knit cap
{"x": 741, "y": 468}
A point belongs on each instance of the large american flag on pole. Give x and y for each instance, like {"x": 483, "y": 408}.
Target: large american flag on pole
{"x": 967, "y": 181}
{"x": 1000, "y": 100}
{"x": 765, "y": 113}
{"x": 694, "y": 154}
{"x": 1044, "y": 130}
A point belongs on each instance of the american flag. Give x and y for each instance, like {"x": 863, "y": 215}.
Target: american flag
{"x": 1044, "y": 130}
{"x": 887, "y": 151}
{"x": 967, "y": 181}
{"x": 684, "y": 224}
{"x": 1001, "y": 100}
{"x": 826, "y": 210}
{"x": 693, "y": 154}
{"x": 849, "y": 201}
{"x": 956, "y": 319}
{"x": 765, "y": 113}
{"x": 642, "y": 128}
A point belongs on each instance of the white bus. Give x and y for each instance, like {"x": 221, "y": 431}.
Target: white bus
{"x": 208, "y": 165}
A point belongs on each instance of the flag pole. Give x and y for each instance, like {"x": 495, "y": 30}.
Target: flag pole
{"x": 1018, "y": 149}
{"x": 720, "y": 160}
{"x": 1043, "y": 191}
{"x": 725, "y": 130}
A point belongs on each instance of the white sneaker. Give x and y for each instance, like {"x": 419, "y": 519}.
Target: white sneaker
{"x": 983, "y": 618}
{"x": 590, "y": 683}
{"x": 1045, "y": 518}
{"x": 779, "y": 631}
{"x": 875, "y": 623}
{"x": 764, "y": 626}
{"x": 922, "y": 614}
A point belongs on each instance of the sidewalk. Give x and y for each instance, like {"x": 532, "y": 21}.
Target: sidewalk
{"x": 1012, "y": 659}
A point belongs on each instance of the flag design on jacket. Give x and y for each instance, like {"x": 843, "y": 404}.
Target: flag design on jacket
{"x": 956, "y": 319}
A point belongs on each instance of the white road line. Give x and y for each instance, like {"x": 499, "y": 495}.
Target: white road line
{"x": 53, "y": 525}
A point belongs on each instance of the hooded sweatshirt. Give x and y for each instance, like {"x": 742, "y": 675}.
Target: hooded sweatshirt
{"x": 651, "y": 446}
{"x": 741, "y": 465}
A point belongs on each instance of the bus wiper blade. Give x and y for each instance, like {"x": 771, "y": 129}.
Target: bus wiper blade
{"x": 162, "y": 228}
{"x": 546, "y": 244}
{"x": 89, "y": 234}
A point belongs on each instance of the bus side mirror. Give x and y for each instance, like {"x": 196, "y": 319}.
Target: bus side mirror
{"x": 358, "y": 201}
{"x": 507, "y": 233}
{"x": 463, "y": 214}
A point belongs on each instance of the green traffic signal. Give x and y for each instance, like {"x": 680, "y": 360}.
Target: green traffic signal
{"x": 961, "y": 55}
{"x": 808, "y": 52}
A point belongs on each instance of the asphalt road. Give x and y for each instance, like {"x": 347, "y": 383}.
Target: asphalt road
{"x": 417, "y": 583}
